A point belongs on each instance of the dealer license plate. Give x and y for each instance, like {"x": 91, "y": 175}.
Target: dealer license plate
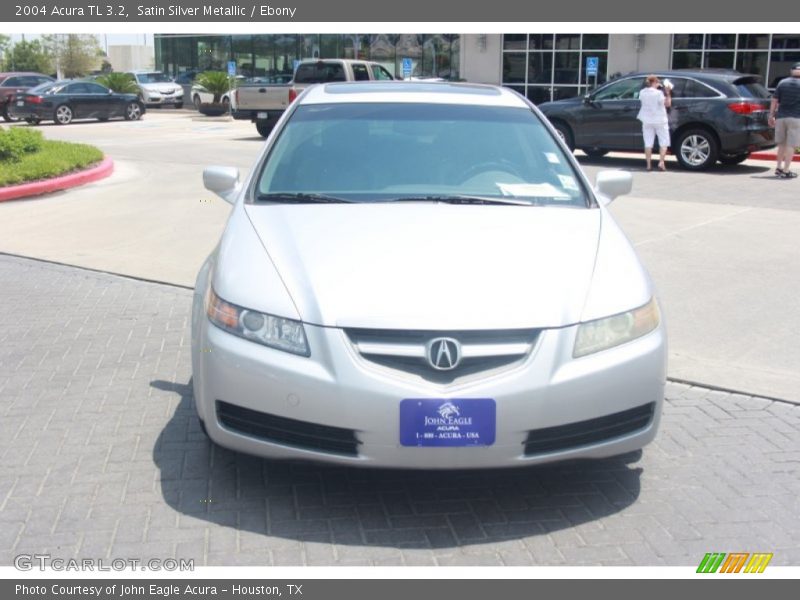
{"x": 20, "y": 102}
{"x": 447, "y": 422}
{"x": 262, "y": 115}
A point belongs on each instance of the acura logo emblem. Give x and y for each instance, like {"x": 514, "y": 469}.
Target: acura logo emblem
{"x": 443, "y": 353}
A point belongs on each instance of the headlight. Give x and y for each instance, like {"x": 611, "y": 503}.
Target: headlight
{"x": 276, "y": 332}
{"x": 608, "y": 332}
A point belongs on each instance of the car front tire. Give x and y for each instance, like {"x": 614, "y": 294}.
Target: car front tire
{"x": 196, "y": 101}
{"x": 63, "y": 115}
{"x": 696, "y": 149}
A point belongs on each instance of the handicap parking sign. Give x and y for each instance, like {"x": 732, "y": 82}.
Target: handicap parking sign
{"x": 407, "y": 66}
{"x": 231, "y": 68}
{"x": 592, "y": 65}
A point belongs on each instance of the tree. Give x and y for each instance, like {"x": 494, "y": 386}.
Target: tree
{"x": 75, "y": 54}
{"x": 29, "y": 56}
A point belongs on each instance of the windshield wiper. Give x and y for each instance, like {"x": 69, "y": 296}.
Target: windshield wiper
{"x": 302, "y": 198}
{"x": 465, "y": 199}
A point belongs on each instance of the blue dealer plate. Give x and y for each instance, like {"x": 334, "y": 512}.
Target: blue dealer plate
{"x": 447, "y": 422}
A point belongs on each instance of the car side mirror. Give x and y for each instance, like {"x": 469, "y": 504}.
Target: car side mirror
{"x": 223, "y": 181}
{"x": 587, "y": 99}
{"x": 612, "y": 183}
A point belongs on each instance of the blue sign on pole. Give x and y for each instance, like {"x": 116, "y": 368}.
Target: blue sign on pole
{"x": 592, "y": 65}
{"x": 295, "y": 64}
{"x": 231, "y": 68}
{"x": 407, "y": 66}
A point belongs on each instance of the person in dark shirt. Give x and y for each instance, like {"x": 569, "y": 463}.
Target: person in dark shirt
{"x": 784, "y": 116}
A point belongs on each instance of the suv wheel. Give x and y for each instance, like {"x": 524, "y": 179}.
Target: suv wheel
{"x": 696, "y": 149}
{"x": 565, "y": 134}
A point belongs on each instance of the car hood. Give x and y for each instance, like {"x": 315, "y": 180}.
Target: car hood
{"x": 559, "y": 104}
{"x": 432, "y": 266}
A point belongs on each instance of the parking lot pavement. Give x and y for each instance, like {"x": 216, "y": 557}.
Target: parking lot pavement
{"x": 101, "y": 456}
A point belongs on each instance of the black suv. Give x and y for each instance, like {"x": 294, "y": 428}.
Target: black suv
{"x": 716, "y": 115}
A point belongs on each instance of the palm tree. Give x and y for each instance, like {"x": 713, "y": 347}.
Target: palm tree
{"x": 122, "y": 83}
{"x": 215, "y": 82}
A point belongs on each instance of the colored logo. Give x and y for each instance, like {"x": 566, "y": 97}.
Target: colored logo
{"x": 736, "y": 562}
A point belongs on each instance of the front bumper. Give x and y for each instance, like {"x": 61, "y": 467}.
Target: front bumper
{"x": 155, "y": 99}
{"x": 337, "y": 389}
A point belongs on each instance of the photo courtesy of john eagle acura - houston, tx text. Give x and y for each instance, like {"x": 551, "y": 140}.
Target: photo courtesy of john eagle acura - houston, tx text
{"x": 419, "y": 275}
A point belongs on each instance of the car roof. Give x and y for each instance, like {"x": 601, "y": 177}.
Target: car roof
{"x": 724, "y": 74}
{"x": 412, "y": 92}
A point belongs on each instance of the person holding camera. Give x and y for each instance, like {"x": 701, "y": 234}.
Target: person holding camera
{"x": 656, "y": 99}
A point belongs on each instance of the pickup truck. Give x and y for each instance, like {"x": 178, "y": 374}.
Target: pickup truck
{"x": 264, "y": 103}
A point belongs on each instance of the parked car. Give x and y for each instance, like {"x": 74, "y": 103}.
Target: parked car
{"x": 264, "y": 103}
{"x": 158, "y": 89}
{"x": 64, "y": 101}
{"x": 418, "y": 275}
{"x": 716, "y": 115}
{"x": 13, "y": 84}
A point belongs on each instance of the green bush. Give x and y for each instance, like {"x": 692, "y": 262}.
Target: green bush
{"x": 122, "y": 83}
{"x": 215, "y": 82}
{"x": 16, "y": 142}
{"x": 53, "y": 159}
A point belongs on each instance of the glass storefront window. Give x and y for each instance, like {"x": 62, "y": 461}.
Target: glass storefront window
{"x": 753, "y": 62}
{"x": 754, "y": 41}
{"x": 555, "y": 64}
{"x": 718, "y": 60}
{"x": 514, "y": 67}
{"x": 720, "y": 41}
{"x": 687, "y": 41}
{"x": 515, "y": 41}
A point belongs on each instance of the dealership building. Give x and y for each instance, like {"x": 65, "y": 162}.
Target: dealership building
{"x": 542, "y": 66}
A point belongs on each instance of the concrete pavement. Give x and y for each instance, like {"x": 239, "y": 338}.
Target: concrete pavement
{"x": 721, "y": 246}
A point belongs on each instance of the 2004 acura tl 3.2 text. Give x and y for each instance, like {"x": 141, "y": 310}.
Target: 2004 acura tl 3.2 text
{"x": 418, "y": 275}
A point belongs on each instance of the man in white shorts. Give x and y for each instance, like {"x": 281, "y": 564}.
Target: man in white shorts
{"x": 784, "y": 116}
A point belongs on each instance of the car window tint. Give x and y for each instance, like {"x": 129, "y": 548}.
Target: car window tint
{"x": 627, "y": 89}
{"x": 360, "y": 72}
{"x": 12, "y": 82}
{"x": 678, "y": 86}
{"x": 695, "y": 89}
{"x": 370, "y": 152}
{"x": 752, "y": 89}
{"x": 378, "y": 72}
{"x": 95, "y": 88}
{"x": 320, "y": 73}
{"x": 76, "y": 88}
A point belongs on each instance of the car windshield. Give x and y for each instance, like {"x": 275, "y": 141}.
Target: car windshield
{"x": 374, "y": 152}
{"x": 152, "y": 78}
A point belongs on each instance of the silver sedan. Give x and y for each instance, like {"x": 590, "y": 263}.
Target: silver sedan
{"x": 419, "y": 275}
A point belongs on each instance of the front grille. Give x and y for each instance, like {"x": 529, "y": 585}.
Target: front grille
{"x": 405, "y": 350}
{"x": 289, "y": 432}
{"x": 583, "y": 433}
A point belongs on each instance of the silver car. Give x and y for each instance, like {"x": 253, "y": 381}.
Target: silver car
{"x": 419, "y": 275}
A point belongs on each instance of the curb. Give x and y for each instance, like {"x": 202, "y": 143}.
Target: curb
{"x": 35, "y": 188}
{"x": 770, "y": 156}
